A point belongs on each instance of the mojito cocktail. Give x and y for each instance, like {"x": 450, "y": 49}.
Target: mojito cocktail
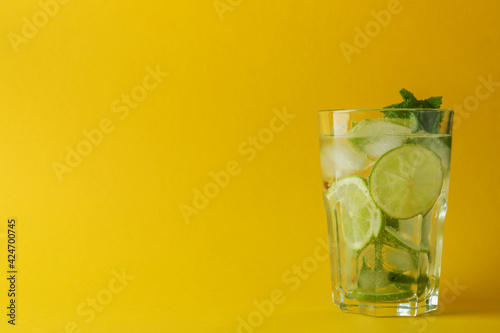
{"x": 385, "y": 183}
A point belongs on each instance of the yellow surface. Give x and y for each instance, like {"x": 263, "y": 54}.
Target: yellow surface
{"x": 230, "y": 71}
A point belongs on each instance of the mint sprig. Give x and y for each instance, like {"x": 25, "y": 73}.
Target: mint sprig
{"x": 428, "y": 121}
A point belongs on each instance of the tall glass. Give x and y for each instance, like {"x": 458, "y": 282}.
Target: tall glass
{"x": 385, "y": 176}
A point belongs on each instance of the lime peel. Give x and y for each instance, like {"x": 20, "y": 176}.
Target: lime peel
{"x": 360, "y": 219}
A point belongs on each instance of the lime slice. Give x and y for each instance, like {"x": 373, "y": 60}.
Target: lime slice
{"x": 406, "y": 181}
{"x": 401, "y": 242}
{"x": 358, "y": 216}
{"x": 400, "y": 280}
{"x": 412, "y": 122}
{"x": 377, "y": 136}
{"x": 410, "y": 234}
{"x": 388, "y": 296}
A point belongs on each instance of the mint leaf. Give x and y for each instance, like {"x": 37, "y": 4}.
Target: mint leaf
{"x": 435, "y": 102}
{"x": 428, "y": 121}
{"x": 397, "y": 114}
{"x": 407, "y": 96}
{"x": 391, "y": 222}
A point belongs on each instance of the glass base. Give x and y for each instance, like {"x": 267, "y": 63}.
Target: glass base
{"x": 388, "y": 309}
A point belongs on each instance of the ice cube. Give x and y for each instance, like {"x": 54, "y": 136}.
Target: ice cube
{"x": 439, "y": 145}
{"x": 376, "y": 137}
{"x": 378, "y": 146}
{"x": 399, "y": 260}
{"x": 339, "y": 158}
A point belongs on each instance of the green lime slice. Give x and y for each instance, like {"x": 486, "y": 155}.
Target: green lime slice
{"x": 377, "y": 136}
{"x": 411, "y": 234}
{"x": 382, "y": 296}
{"x": 406, "y": 181}
{"x": 412, "y": 122}
{"x": 395, "y": 240}
{"x": 400, "y": 280}
{"x": 358, "y": 216}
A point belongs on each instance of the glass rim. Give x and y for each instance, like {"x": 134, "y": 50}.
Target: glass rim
{"x": 383, "y": 109}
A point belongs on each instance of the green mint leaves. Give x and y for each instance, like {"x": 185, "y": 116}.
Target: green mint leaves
{"x": 411, "y": 102}
{"x": 428, "y": 121}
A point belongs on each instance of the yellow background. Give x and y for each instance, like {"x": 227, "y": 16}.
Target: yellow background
{"x": 119, "y": 209}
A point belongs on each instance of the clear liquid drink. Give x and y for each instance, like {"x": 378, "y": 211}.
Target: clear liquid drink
{"x": 385, "y": 186}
